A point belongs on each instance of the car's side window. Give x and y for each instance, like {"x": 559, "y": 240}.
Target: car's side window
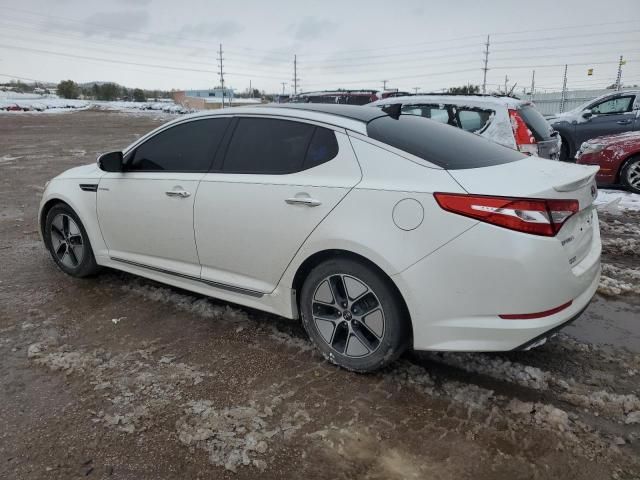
{"x": 323, "y": 147}
{"x": 437, "y": 113}
{"x": 187, "y": 147}
{"x": 275, "y": 147}
{"x": 472, "y": 119}
{"x": 613, "y": 105}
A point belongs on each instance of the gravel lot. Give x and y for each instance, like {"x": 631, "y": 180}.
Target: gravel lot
{"x": 119, "y": 377}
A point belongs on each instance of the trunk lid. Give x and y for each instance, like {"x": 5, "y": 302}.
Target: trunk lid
{"x": 534, "y": 177}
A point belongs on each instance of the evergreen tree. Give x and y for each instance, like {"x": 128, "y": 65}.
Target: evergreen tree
{"x": 68, "y": 89}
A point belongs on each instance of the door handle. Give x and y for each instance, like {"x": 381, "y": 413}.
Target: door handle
{"x": 177, "y": 193}
{"x": 309, "y": 202}
{"x": 623, "y": 122}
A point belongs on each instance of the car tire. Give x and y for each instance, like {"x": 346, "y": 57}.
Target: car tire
{"x": 630, "y": 174}
{"x": 354, "y": 315}
{"x": 68, "y": 242}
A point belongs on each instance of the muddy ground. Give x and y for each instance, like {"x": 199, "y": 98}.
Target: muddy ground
{"x": 119, "y": 377}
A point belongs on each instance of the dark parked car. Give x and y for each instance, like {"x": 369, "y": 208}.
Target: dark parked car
{"x": 609, "y": 114}
{"x": 618, "y": 157}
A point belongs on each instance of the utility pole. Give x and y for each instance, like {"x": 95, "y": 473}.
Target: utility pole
{"x": 250, "y": 90}
{"x": 415, "y": 89}
{"x": 619, "y": 77}
{"x": 533, "y": 84}
{"x": 564, "y": 90}
{"x": 283, "y": 84}
{"x": 506, "y": 79}
{"x": 295, "y": 75}
{"x": 384, "y": 85}
{"x": 221, "y": 73}
{"x": 486, "y": 68}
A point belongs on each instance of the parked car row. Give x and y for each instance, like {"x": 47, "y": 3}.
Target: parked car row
{"x": 609, "y": 114}
{"x": 32, "y": 106}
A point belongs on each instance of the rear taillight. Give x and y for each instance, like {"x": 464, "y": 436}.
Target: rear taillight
{"x": 525, "y": 140}
{"x": 528, "y": 215}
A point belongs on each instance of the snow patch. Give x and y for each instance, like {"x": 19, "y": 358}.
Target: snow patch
{"x": 618, "y": 281}
{"x": 241, "y": 435}
{"x": 614, "y": 201}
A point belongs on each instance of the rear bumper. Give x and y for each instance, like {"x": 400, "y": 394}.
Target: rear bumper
{"x": 455, "y": 295}
{"x": 542, "y": 337}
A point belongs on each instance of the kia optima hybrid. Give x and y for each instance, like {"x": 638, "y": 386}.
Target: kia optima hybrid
{"x": 379, "y": 230}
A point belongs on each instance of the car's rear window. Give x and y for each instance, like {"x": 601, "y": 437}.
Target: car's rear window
{"x": 535, "y": 121}
{"x": 448, "y": 147}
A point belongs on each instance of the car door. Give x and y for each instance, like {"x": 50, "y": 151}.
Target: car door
{"x": 146, "y": 211}
{"x": 277, "y": 181}
{"x": 609, "y": 116}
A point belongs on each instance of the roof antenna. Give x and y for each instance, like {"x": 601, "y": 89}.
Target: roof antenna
{"x": 393, "y": 110}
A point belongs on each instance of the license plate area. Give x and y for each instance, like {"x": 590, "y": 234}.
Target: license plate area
{"x": 577, "y": 235}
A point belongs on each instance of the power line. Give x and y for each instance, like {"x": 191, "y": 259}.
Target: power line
{"x": 149, "y": 65}
{"x": 564, "y": 37}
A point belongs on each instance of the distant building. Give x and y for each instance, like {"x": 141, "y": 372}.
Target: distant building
{"x": 204, "y": 99}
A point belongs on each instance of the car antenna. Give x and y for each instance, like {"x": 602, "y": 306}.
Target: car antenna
{"x": 393, "y": 110}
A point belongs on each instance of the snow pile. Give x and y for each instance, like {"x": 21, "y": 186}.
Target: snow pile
{"x": 541, "y": 414}
{"x": 612, "y": 404}
{"x": 23, "y": 102}
{"x": 617, "y": 280}
{"x": 611, "y": 201}
{"x": 616, "y": 227}
{"x": 188, "y": 303}
{"x": 621, "y": 246}
{"x": 495, "y": 367}
{"x": 241, "y": 435}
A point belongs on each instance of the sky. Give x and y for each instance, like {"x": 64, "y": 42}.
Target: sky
{"x": 413, "y": 45}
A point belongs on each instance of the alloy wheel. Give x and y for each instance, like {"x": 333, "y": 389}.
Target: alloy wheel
{"x": 348, "y": 315}
{"x": 633, "y": 175}
{"x": 66, "y": 241}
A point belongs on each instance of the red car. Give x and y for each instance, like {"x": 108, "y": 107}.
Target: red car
{"x": 618, "y": 157}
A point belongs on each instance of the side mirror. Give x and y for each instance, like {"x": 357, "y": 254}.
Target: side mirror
{"x": 110, "y": 162}
{"x": 587, "y": 114}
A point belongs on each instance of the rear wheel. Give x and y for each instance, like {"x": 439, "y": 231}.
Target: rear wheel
{"x": 68, "y": 242}
{"x": 353, "y": 316}
{"x": 630, "y": 175}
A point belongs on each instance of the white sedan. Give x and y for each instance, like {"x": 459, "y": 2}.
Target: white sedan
{"x": 381, "y": 231}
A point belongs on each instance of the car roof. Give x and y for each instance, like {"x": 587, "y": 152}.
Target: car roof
{"x": 468, "y": 100}
{"x": 350, "y": 117}
{"x": 354, "y": 112}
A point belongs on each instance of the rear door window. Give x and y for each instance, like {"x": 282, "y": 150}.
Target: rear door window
{"x": 449, "y": 148}
{"x": 275, "y": 147}
{"x": 540, "y": 128}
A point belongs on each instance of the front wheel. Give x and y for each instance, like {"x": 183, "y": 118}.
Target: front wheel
{"x": 68, "y": 242}
{"x": 353, "y": 316}
{"x": 630, "y": 175}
